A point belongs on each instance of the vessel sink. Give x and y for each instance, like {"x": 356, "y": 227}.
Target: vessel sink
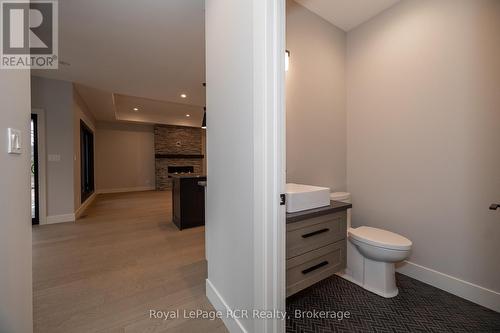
{"x": 303, "y": 197}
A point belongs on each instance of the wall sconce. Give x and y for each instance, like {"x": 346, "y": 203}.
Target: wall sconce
{"x": 287, "y": 60}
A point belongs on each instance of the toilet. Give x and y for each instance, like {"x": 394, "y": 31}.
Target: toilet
{"x": 371, "y": 255}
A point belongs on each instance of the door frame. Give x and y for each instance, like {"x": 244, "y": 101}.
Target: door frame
{"x": 269, "y": 160}
{"x": 85, "y": 196}
{"x": 35, "y": 220}
{"x": 42, "y": 165}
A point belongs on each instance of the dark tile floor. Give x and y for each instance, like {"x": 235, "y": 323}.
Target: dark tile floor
{"x": 419, "y": 307}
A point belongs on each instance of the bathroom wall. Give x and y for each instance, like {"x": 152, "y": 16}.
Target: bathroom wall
{"x": 424, "y": 132}
{"x": 315, "y": 100}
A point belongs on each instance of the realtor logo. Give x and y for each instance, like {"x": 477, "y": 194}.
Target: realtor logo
{"x": 29, "y": 35}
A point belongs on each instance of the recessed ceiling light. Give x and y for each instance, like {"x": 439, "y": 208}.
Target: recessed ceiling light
{"x": 184, "y": 96}
{"x": 135, "y": 109}
{"x": 188, "y": 115}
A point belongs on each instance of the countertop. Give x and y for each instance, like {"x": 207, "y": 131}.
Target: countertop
{"x": 186, "y": 175}
{"x": 335, "y": 206}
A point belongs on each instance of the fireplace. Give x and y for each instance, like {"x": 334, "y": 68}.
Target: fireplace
{"x": 178, "y": 151}
{"x": 180, "y": 169}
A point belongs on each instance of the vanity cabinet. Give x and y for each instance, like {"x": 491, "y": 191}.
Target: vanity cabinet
{"x": 315, "y": 245}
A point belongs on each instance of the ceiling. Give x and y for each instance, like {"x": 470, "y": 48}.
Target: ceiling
{"x": 347, "y": 14}
{"x": 99, "y": 102}
{"x": 108, "y": 106}
{"x": 156, "y": 112}
{"x": 144, "y": 52}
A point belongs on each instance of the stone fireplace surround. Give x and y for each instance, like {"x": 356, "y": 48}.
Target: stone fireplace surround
{"x": 176, "y": 146}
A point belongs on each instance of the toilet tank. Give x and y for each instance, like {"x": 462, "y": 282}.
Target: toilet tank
{"x": 343, "y": 197}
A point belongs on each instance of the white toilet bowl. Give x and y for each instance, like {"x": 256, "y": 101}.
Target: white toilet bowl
{"x": 371, "y": 255}
{"x": 377, "y": 251}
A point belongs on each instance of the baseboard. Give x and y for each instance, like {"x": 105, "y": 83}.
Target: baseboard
{"x": 469, "y": 291}
{"x": 126, "y": 189}
{"x": 60, "y": 218}
{"x": 79, "y": 212}
{"x": 232, "y": 324}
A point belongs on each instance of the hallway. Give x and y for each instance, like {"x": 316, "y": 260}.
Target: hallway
{"x": 105, "y": 272}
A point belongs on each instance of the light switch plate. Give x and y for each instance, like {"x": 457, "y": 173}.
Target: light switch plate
{"x": 14, "y": 141}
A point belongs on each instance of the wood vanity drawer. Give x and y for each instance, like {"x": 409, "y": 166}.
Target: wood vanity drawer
{"x": 310, "y": 234}
{"x": 314, "y": 266}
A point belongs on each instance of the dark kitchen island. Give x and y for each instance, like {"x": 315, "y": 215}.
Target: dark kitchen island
{"x": 188, "y": 200}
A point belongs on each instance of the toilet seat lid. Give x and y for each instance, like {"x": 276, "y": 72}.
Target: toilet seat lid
{"x": 381, "y": 238}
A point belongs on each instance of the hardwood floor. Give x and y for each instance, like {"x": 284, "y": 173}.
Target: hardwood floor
{"x": 105, "y": 272}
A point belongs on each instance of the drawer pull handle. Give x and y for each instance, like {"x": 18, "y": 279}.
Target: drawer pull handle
{"x": 315, "y": 267}
{"x": 314, "y": 233}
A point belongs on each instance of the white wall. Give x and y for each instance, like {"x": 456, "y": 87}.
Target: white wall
{"x": 125, "y": 157}
{"x": 229, "y": 210}
{"x": 244, "y": 230}
{"x": 56, "y": 98}
{"x": 424, "y": 132}
{"x": 16, "y": 311}
{"x": 315, "y": 100}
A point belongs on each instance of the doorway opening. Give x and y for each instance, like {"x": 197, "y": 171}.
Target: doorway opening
{"x": 114, "y": 151}
{"x": 87, "y": 161}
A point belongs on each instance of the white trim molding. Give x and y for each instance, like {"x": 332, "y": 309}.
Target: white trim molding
{"x": 269, "y": 161}
{"x": 469, "y": 291}
{"x": 79, "y": 212}
{"x": 126, "y": 189}
{"x": 232, "y": 324}
{"x": 60, "y": 218}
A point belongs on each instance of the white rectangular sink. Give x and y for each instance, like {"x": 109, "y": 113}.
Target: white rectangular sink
{"x": 304, "y": 197}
